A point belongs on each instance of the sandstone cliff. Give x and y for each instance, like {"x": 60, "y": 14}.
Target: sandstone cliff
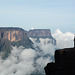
{"x": 41, "y": 33}
{"x": 13, "y": 36}
{"x": 17, "y": 36}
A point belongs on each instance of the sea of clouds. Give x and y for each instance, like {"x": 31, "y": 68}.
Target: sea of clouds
{"x": 32, "y": 61}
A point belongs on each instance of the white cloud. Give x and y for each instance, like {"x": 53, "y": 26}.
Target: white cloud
{"x": 26, "y": 61}
{"x": 64, "y": 40}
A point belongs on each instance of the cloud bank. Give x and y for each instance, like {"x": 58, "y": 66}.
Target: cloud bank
{"x": 64, "y": 40}
{"x": 32, "y": 61}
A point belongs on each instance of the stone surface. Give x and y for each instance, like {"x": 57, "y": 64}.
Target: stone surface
{"x": 5, "y": 48}
{"x": 17, "y": 36}
{"x": 41, "y": 33}
{"x": 13, "y": 34}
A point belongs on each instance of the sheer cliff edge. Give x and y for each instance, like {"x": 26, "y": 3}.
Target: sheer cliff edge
{"x": 14, "y": 36}
{"x": 11, "y": 36}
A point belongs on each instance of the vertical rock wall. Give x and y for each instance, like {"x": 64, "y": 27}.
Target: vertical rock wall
{"x": 13, "y": 34}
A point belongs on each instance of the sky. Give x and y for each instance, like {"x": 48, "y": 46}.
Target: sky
{"x": 38, "y": 14}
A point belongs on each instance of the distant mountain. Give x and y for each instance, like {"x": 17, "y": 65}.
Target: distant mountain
{"x": 41, "y": 33}
{"x": 15, "y": 37}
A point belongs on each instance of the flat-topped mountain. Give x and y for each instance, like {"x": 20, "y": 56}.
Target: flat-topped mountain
{"x": 17, "y": 36}
{"x": 13, "y": 36}
{"x": 41, "y": 33}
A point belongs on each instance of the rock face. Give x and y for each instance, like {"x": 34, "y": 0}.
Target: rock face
{"x": 17, "y": 36}
{"x": 5, "y": 48}
{"x": 41, "y": 33}
{"x": 13, "y": 36}
{"x": 64, "y": 63}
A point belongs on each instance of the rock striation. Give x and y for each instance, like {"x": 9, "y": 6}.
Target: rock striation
{"x": 13, "y": 34}
{"x": 17, "y": 36}
{"x": 64, "y": 62}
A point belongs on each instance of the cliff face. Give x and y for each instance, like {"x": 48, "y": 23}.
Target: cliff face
{"x": 5, "y": 48}
{"x": 13, "y": 34}
{"x": 41, "y": 33}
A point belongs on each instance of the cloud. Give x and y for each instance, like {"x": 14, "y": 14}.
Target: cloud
{"x": 32, "y": 61}
{"x": 20, "y": 62}
{"x": 64, "y": 40}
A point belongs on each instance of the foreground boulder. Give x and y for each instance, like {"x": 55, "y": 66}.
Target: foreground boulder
{"x": 64, "y": 63}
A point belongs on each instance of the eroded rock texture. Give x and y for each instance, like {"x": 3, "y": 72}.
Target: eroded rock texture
{"x": 13, "y": 34}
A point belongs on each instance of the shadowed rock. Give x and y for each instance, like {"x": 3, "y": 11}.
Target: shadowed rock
{"x": 64, "y": 62}
{"x": 5, "y": 48}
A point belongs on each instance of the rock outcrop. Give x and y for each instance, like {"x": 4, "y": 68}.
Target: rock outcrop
{"x": 13, "y": 34}
{"x": 64, "y": 62}
{"x": 41, "y": 33}
{"x": 17, "y": 36}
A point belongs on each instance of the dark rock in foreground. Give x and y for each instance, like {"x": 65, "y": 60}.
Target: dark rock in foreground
{"x": 64, "y": 63}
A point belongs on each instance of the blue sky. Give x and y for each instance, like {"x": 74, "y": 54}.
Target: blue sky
{"x": 49, "y": 14}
